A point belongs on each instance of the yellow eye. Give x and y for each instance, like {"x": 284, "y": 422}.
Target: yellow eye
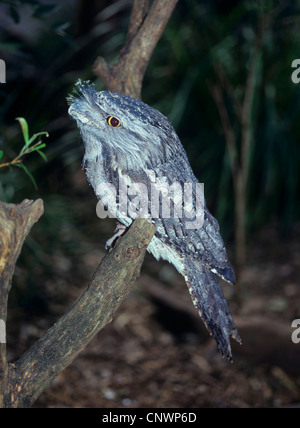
{"x": 113, "y": 121}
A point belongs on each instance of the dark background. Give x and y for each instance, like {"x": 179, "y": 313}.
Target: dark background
{"x": 156, "y": 353}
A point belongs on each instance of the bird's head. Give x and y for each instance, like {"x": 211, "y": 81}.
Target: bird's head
{"x": 121, "y": 126}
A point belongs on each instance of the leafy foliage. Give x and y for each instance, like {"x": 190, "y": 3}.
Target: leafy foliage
{"x": 30, "y": 146}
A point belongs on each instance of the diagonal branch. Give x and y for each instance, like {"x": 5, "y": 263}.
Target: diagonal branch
{"x": 138, "y": 14}
{"x": 145, "y": 30}
{"x": 112, "y": 281}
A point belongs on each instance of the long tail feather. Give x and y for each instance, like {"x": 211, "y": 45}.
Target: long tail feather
{"x": 209, "y": 301}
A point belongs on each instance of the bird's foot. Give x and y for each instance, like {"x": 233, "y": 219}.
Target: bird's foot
{"x": 120, "y": 230}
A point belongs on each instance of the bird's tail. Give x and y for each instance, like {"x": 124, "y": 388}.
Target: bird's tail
{"x": 210, "y": 302}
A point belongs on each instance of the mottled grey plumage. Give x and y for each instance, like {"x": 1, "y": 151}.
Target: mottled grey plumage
{"x": 146, "y": 142}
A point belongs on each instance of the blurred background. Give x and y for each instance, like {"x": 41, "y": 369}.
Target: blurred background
{"x": 222, "y": 74}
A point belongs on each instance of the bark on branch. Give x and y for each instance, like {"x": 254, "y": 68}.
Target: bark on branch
{"x": 16, "y": 222}
{"x": 24, "y": 381}
{"x": 145, "y": 29}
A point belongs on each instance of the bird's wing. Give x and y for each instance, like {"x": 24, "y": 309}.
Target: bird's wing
{"x": 204, "y": 243}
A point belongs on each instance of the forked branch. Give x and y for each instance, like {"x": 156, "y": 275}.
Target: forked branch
{"x": 146, "y": 27}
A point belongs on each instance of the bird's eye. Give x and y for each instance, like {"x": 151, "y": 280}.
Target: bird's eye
{"x": 113, "y": 121}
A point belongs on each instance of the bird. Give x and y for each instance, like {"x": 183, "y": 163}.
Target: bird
{"x": 129, "y": 143}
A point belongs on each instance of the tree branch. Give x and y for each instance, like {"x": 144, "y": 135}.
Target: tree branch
{"x": 15, "y": 224}
{"x": 248, "y": 103}
{"x": 230, "y": 138}
{"x": 138, "y": 14}
{"x": 145, "y": 29}
{"x": 112, "y": 281}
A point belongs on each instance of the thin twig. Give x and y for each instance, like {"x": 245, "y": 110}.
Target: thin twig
{"x": 230, "y": 138}
{"x": 18, "y": 159}
{"x": 228, "y": 89}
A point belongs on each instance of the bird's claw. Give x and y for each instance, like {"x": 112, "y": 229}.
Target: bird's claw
{"x": 120, "y": 230}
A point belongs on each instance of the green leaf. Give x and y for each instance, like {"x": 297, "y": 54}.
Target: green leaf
{"x": 25, "y": 169}
{"x": 1, "y": 154}
{"x": 38, "y": 146}
{"x": 41, "y": 146}
{"x": 35, "y": 136}
{"x": 24, "y": 127}
{"x": 42, "y": 155}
